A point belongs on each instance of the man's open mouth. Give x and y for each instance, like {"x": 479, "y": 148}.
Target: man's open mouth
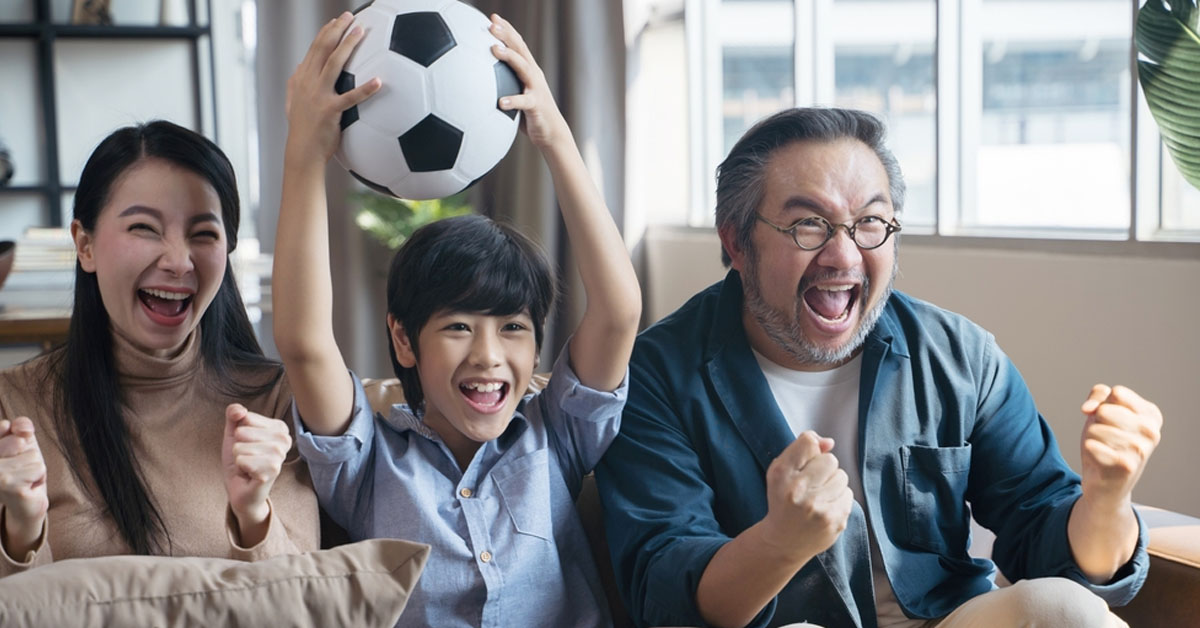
{"x": 832, "y": 303}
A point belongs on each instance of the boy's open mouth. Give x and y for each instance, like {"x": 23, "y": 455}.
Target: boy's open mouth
{"x": 484, "y": 396}
{"x": 163, "y": 306}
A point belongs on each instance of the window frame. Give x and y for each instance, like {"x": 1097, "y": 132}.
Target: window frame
{"x": 957, "y": 37}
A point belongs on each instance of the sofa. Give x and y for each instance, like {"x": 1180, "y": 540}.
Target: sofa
{"x": 1170, "y": 596}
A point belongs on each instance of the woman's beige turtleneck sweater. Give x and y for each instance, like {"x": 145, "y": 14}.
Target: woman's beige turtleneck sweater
{"x": 176, "y": 422}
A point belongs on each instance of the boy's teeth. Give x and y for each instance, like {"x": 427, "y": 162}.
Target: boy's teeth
{"x": 481, "y": 387}
{"x": 163, "y": 294}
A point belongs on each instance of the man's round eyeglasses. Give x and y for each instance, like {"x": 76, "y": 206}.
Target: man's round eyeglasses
{"x": 811, "y": 233}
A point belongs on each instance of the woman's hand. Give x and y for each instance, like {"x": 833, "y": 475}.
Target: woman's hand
{"x": 252, "y": 454}
{"x": 22, "y": 487}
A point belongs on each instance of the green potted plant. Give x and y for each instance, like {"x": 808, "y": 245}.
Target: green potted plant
{"x": 1166, "y": 35}
{"x": 391, "y": 220}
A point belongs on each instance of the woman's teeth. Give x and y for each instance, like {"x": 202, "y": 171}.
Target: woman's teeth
{"x": 163, "y": 294}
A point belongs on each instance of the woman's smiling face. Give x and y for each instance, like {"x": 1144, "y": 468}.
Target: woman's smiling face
{"x": 159, "y": 253}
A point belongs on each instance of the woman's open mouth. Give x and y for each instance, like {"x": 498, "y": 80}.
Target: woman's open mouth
{"x": 484, "y": 396}
{"x": 165, "y": 307}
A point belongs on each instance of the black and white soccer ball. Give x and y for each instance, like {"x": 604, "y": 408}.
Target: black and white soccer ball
{"x": 435, "y": 127}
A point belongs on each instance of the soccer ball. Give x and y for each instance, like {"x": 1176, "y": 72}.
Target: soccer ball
{"x": 434, "y": 128}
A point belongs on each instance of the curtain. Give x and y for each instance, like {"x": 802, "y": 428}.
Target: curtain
{"x": 580, "y": 46}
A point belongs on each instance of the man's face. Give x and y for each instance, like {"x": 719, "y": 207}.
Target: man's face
{"x": 812, "y": 310}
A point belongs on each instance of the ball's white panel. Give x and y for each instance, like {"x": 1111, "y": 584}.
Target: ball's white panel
{"x": 378, "y": 27}
{"x": 410, "y": 6}
{"x": 371, "y": 154}
{"x": 402, "y": 101}
{"x": 420, "y": 186}
{"x": 487, "y": 142}
{"x": 464, "y": 94}
{"x": 470, "y": 27}
{"x": 463, "y": 86}
{"x": 490, "y": 133}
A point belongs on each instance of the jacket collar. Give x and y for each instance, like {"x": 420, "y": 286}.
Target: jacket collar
{"x": 741, "y": 387}
{"x": 738, "y": 381}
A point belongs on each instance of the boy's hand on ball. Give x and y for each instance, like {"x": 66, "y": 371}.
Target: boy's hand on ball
{"x": 313, "y": 106}
{"x": 541, "y": 119}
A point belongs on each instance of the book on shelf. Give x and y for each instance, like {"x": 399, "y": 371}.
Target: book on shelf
{"x": 44, "y": 249}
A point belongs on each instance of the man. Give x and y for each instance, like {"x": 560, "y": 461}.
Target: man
{"x": 801, "y": 443}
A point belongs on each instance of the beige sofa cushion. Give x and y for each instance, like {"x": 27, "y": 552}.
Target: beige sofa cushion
{"x": 360, "y": 584}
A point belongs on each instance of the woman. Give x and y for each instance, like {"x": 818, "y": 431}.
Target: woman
{"x": 114, "y": 443}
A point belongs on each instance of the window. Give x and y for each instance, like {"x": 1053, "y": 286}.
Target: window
{"x": 1011, "y": 118}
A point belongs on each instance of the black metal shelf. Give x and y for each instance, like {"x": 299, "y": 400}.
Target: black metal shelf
{"x": 36, "y": 189}
{"x": 44, "y": 32}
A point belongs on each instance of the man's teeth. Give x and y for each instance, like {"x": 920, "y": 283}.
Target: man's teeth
{"x": 163, "y": 294}
{"x": 835, "y": 288}
{"x": 482, "y": 387}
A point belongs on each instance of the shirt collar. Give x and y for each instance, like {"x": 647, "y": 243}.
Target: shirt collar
{"x": 402, "y": 419}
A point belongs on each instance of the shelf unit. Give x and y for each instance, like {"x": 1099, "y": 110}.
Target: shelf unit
{"x": 46, "y": 33}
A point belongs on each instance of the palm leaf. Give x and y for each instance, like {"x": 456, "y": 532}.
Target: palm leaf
{"x": 1166, "y": 35}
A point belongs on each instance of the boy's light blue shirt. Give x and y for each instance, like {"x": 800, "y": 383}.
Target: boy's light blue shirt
{"x": 508, "y": 546}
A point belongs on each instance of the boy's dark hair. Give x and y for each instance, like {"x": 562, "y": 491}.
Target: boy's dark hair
{"x": 466, "y": 264}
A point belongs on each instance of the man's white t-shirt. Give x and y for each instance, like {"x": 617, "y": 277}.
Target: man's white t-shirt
{"x": 826, "y": 402}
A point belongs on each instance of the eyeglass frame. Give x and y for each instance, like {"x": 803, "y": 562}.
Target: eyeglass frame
{"x": 892, "y": 226}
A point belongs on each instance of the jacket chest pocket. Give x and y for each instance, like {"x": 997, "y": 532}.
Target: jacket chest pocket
{"x": 935, "y": 485}
{"x": 524, "y": 487}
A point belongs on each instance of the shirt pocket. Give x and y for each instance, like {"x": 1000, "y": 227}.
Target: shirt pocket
{"x": 935, "y": 485}
{"x": 524, "y": 487}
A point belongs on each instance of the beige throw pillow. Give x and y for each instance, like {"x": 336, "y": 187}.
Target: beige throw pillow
{"x": 360, "y": 584}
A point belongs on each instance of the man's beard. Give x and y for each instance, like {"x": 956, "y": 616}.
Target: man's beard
{"x": 787, "y": 333}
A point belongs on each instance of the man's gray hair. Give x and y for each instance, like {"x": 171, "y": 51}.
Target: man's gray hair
{"x": 741, "y": 178}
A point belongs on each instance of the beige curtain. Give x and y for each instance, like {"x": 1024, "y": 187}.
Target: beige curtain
{"x": 580, "y": 46}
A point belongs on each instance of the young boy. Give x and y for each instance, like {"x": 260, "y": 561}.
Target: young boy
{"x": 471, "y": 465}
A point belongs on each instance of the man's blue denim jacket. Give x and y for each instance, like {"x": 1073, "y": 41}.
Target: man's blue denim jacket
{"x": 948, "y": 431}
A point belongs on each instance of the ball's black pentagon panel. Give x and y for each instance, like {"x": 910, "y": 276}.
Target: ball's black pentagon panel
{"x": 371, "y": 184}
{"x": 345, "y": 83}
{"x": 422, "y": 36}
{"x": 431, "y": 145}
{"x": 507, "y": 84}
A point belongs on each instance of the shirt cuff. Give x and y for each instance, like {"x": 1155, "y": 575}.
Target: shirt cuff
{"x": 318, "y": 449}
{"x": 1129, "y": 578}
{"x": 580, "y": 401}
{"x": 33, "y": 558}
{"x": 274, "y": 536}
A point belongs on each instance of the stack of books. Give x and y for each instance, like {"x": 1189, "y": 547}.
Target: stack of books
{"x": 43, "y": 273}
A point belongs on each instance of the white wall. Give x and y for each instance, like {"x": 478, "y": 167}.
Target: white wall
{"x": 1067, "y": 320}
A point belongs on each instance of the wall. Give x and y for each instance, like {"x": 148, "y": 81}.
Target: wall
{"x": 1067, "y": 320}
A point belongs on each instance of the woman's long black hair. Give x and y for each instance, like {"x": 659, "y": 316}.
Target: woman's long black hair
{"x": 89, "y": 399}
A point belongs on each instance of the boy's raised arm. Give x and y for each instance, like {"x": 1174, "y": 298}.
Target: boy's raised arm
{"x": 601, "y": 345}
{"x": 302, "y": 289}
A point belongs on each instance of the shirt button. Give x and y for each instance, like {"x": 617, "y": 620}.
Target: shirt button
{"x": 485, "y": 556}
{"x": 466, "y": 492}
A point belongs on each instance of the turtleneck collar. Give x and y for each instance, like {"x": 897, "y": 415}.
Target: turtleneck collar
{"x": 139, "y": 369}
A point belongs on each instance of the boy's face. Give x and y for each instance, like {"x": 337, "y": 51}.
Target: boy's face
{"x": 474, "y": 368}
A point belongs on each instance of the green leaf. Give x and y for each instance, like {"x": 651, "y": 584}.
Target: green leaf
{"x": 391, "y": 220}
{"x": 1166, "y": 35}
